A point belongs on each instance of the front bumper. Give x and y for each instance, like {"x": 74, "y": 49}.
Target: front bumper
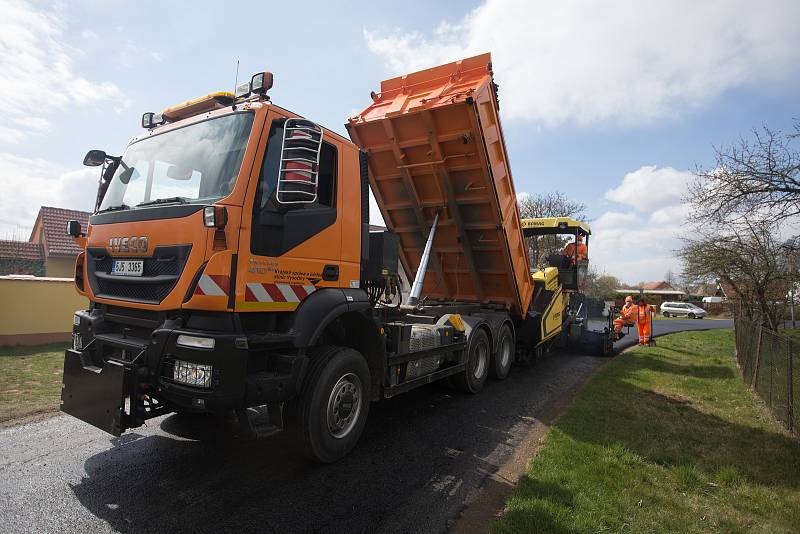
{"x": 118, "y": 380}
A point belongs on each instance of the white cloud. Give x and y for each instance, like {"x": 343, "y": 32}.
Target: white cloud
{"x": 623, "y": 61}
{"x": 649, "y": 188}
{"x": 35, "y": 183}
{"x": 639, "y": 245}
{"x": 36, "y": 72}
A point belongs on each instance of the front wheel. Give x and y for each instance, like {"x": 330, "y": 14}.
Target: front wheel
{"x": 691, "y": 316}
{"x": 473, "y": 377}
{"x": 330, "y": 413}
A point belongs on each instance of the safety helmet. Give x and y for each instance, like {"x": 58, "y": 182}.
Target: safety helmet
{"x": 629, "y": 299}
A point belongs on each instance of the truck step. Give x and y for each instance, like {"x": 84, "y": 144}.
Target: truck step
{"x": 259, "y": 422}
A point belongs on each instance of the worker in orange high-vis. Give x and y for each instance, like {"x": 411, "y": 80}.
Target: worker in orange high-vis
{"x": 644, "y": 322}
{"x": 627, "y": 315}
{"x": 577, "y": 246}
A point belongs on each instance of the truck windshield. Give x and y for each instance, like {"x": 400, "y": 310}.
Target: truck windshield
{"x": 196, "y": 163}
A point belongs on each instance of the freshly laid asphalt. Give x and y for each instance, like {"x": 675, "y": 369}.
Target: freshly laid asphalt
{"x": 419, "y": 458}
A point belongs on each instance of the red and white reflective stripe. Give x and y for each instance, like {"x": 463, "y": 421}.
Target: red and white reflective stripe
{"x": 255, "y": 292}
{"x": 213, "y": 285}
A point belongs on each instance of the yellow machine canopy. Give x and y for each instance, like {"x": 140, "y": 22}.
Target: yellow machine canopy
{"x": 554, "y": 226}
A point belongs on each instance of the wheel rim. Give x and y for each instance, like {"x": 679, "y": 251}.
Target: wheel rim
{"x": 505, "y": 352}
{"x": 344, "y": 405}
{"x": 480, "y": 360}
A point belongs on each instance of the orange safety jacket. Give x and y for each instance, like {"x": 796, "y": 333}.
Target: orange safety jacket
{"x": 629, "y": 312}
{"x": 569, "y": 250}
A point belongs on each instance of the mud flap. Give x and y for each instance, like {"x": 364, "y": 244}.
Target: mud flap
{"x": 95, "y": 395}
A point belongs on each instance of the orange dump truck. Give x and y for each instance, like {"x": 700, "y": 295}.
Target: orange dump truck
{"x": 230, "y": 266}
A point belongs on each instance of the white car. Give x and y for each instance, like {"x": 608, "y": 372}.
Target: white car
{"x": 675, "y": 309}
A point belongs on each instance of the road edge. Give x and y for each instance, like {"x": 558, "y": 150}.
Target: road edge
{"x": 487, "y": 502}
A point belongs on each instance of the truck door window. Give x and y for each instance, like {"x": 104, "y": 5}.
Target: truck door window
{"x": 278, "y": 227}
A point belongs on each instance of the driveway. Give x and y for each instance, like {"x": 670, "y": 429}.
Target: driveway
{"x": 419, "y": 458}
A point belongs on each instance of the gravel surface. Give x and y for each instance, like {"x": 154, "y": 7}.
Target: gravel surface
{"x": 420, "y": 456}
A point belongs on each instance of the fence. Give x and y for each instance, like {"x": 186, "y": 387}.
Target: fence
{"x": 770, "y": 365}
{"x": 35, "y": 310}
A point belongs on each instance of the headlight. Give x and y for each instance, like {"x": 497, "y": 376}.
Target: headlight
{"x": 195, "y": 342}
{"x": 192, "y": 374}
{"x": 76, "y": 320}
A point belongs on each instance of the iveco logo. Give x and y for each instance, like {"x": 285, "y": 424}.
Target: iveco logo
{"x": 128, "y": 244}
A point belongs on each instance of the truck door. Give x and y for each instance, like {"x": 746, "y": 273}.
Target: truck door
{"x": 296, "y": 232}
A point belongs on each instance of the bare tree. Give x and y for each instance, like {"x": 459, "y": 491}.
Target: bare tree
{"x": 552, "y": 204}
{"x": 760, "y": 174}
{"x": 669, "y": 277}
{"x": 600, "y": 285}
{"x": 749, "y": 259}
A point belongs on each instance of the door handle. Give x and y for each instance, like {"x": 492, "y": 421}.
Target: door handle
{"x": 330, "y": 273}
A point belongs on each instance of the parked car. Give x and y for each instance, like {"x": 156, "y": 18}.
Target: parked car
{"x": 713, "y": 300}
{"x": 676, "y": 309}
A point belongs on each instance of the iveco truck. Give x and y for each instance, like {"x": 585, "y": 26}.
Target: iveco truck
{"x": 230, "y": 266}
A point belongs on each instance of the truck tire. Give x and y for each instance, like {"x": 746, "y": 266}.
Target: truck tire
{"x": 331, "y": 410}
{"x": 473, "y": 377}
{"x": 501, "y": 360}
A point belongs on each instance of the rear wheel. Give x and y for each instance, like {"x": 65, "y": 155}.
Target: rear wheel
{"x": 501, "y": 360}
{"x": 330, "y": 413}
{"x": 473, "y": 377}
{"x": 665, "y": 314}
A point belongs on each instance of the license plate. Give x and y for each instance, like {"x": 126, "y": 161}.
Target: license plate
{"x": 127, "y": 267}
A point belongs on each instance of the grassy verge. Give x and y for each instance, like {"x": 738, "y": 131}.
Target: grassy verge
{"x": 663, "y": 439}
{"x": 30, "y": 380}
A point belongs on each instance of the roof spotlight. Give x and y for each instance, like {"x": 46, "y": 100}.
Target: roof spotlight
{"x": 261, "y": 83}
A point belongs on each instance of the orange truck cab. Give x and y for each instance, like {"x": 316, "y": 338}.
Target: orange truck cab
{"x": 230, "y": 267}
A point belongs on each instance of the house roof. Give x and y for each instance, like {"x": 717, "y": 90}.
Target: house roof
{"x": 673, "y": 292}
{"x": 53, "y": 223}
{"x": 21, "y": 250}
{"x": 706, "y": 290}
{"x": 660, "y": 285}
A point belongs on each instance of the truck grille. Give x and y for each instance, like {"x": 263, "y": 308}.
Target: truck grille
{"x": 161, "y": 272}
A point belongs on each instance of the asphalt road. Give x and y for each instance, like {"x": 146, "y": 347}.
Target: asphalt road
{"x": 420, "y": 456}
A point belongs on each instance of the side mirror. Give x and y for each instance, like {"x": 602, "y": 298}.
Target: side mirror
{"x": 94, "y": 158}
{"x": 74, "y": 228}
{"x": 299, "y": 165}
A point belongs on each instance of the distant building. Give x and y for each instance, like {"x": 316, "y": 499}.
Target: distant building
{"x": 661, "y": 285}
{"x": 660, "y": 289}
{"x": 21, "y": 257}
{"x": 49, "y": 251}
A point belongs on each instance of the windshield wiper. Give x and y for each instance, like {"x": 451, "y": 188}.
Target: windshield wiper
{"x": 168, "y": 200}
{"x": 116, "y": 208}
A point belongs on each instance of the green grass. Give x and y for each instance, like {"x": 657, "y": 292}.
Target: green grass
{"x": 30, "y": 380}
{"x": 663, "y": 439}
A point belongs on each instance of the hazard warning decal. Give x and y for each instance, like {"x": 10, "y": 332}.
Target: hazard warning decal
{"x": 257, "y": 292}
{"x": 213, "y": 285}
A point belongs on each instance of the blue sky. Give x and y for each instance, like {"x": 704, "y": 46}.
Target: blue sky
{"x": 610, "y": 102}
